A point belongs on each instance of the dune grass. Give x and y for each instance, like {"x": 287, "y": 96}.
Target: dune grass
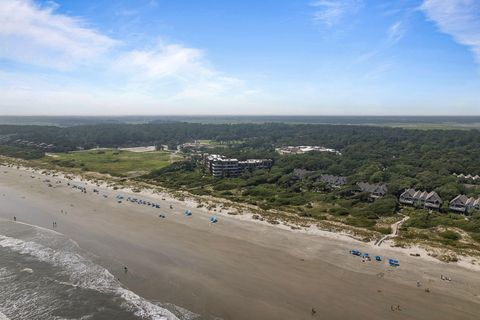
{"x": 114, "y": 162}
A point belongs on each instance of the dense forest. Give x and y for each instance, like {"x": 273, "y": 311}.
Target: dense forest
{"x": 398, "y": 158}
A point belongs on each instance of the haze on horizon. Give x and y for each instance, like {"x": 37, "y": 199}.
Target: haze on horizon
{"x": 285, "y": 57}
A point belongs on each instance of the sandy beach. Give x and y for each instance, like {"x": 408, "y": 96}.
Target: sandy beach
{"x": 237, "y": 269}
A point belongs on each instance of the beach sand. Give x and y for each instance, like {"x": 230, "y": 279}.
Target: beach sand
{"x": 238, "y": 269}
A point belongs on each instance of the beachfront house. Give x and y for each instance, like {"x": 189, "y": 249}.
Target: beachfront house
{"x": 408, "y": 197}
{"x": 375, "y": 191}
{"x": 429, "y": 200}
{"x": 463, "y": 204}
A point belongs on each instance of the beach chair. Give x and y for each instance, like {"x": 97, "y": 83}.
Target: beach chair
{"x": 393, "y": 263}
{"x": 355, "y": 252}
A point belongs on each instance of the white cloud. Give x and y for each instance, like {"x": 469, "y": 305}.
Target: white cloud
{"x": 458, "y": 18}
{"x": 333, "y": 12}
{"x": 95, "y": 66}
{"x": 396, "y": 32}
{"x": 37, "y": 35}
{"x": 170, "y": 60}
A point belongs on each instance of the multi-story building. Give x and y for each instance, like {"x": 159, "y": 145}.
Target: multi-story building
{"x": 463, "y": 204}
{"x": 429, "y": 200}
{"x": 220, "y": 166}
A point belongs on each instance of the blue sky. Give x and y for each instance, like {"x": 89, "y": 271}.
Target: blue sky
{"x": 319, "y": 57}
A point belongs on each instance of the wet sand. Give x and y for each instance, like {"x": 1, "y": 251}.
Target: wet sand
{"x": 238, "y": 269}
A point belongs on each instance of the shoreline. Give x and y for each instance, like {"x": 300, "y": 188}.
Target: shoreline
{"x": 238, "y": 268}
{"x": 192, "y": 202}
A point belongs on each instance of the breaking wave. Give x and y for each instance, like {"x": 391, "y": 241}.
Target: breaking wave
{"x": 71, "y": 269}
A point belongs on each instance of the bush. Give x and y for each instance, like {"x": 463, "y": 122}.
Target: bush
{"x": 475, "y": 236}
{"x": 360, "y": 222}
{"x": 338, "y": 211}
{"x": 384, "y": 207}
{"x": 450, "y": 235}
{"x": 22, "y": 153}
{"x": 384, "y": 230}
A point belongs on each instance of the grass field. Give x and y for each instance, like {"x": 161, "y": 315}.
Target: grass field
{"x": 114, "y": 162}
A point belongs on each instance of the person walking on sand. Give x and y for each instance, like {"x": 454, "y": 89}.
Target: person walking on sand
{"x": 14, "y": 219}
{"x": 125, "y": 269}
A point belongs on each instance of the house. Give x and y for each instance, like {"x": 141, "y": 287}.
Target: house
{"x": 300, "y": 173}
{"x": 408, "y": 197}
{"x": 375, "y": 191}
{"x": 463, "y": 204}
{"x": 335, "y": 181}
{"x": 468, "y": 177}
{"x": 429, "y": 200}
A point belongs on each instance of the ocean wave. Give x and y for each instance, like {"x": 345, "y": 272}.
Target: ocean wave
{"x": 3, "y": 317}
{"x": 84, "y": 273}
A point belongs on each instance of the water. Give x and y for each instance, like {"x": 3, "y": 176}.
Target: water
{"x": 44, "y": 275}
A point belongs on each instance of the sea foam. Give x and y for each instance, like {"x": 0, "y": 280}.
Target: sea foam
{"x": 86, "y": 274}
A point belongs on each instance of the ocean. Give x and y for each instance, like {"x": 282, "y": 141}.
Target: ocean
{"x": 45, "y": 275}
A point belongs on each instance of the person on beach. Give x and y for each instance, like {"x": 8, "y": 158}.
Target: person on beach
{"x": 14, "y": 219}
{"x": 125, "y": 269}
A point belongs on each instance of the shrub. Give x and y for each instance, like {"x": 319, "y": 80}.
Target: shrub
{"x": 360, "y": 222}
{"x": 338, "y": 211}
{"x": 475, "y": 236}
{"x": 450, "y": 235}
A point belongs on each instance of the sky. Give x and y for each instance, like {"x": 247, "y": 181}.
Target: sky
{"x": 248, "y": 57}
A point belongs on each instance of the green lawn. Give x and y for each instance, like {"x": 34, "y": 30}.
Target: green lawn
{"x": 114, "y": 162}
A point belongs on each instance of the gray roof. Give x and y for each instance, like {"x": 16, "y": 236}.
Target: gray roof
{"x": 420, "y": 195}
{"x": 333, "y": 180}
{"x": 376, "y": 188}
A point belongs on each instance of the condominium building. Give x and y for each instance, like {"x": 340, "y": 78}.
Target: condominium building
{"x": 220, "y": 166}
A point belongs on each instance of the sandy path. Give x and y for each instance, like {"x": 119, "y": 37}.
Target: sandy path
{"x": 239, "y": 269}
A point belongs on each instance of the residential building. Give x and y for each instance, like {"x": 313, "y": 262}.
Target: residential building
{"x": 253, "y": 164}
{"x": 220, "y": 166}
{"x": 301, "y": 173}
{"x": 375, "y": 191}
{"x": 429, "y": 200}
{"x": 468, "y": 177}
{"x": 304, "y": 149}
{"x": 463, "y": 204}
{"x": 335, "y": 181}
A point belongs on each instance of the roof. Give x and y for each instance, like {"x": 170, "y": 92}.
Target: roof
{"x": 372, "y": 188}
{"x": 421, "y": 195}
{"x": 463, "y": 200}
